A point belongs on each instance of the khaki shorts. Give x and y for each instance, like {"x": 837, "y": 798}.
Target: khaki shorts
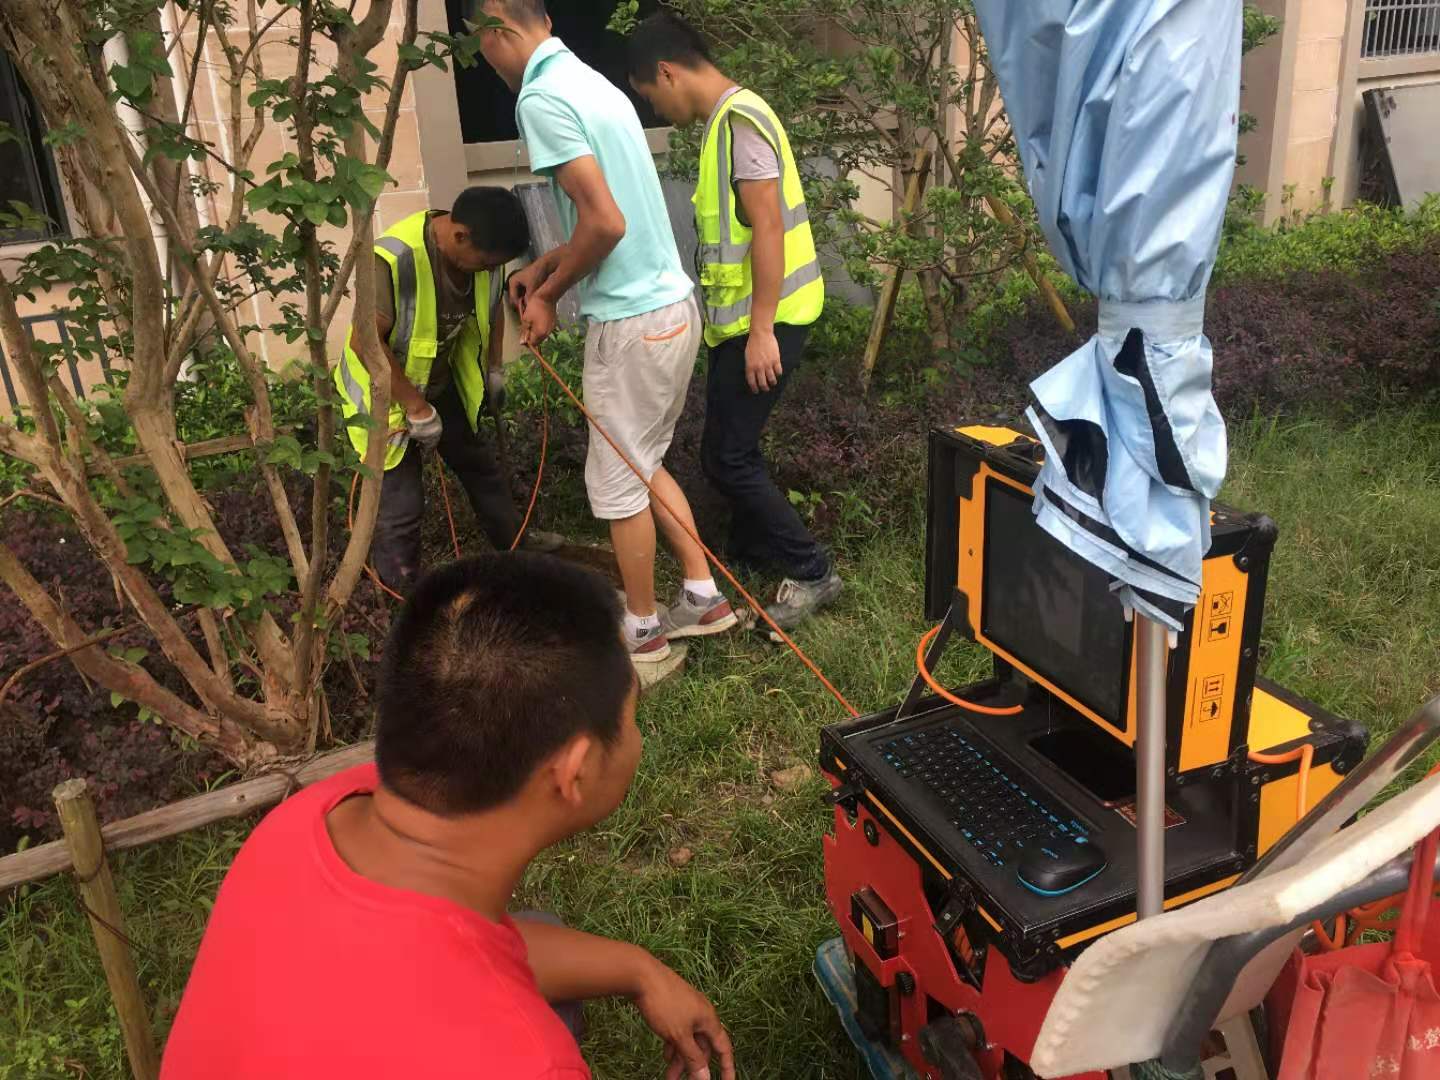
{"x": 637, "y": 372}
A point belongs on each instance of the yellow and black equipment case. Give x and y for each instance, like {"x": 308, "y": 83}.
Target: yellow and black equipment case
{"x": 1064, "y": 664}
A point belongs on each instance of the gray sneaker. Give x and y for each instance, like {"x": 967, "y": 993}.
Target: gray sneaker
{"x": 648, "y": 646}
{"x": 798, "y": 600}
{"x": 694, "y": 616}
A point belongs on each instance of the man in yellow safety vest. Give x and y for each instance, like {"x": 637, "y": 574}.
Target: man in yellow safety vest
{"x": 763, "y": 289}
{"x": 438, "y": 290}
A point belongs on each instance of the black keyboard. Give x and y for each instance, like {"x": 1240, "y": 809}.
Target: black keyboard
{"x": 1002, "y": 819}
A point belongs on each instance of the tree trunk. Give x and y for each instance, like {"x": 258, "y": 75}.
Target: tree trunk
{"x": 936, "y": 317}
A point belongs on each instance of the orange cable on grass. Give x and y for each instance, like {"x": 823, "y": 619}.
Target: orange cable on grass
{"x": 449, "y": 509}
{"x": 930, "y": 681}
{"x": 756, "y": 607}
{"x": 540, "y": 469}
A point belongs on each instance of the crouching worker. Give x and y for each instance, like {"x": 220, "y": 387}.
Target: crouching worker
{"x": 362, "y": 931}
{"x": 438, "y": 287}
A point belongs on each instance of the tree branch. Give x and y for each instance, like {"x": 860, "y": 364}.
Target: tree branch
{"x": 128, "y": 680}
{"x": 307, "y": 644}
{"x": 219, "y": 658}
{"x": 27, "y": 368}
{"x": 60, "y": 654}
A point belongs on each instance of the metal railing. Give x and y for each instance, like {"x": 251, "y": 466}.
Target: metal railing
{"x": 71, "y": 367}
{"x": 1400, "y": 28}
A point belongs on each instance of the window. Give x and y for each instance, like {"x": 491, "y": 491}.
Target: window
{"x": 27, "y": 169}
{"x": 1400, "y": 28}
{"x": 487, "y": 108}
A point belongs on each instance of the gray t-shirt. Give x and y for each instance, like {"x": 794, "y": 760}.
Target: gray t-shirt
{"x": 753, "y": 156}
{"x": 454, "y": 303}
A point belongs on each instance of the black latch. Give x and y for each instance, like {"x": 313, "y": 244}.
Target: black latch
{"x": 958, "y": 902}
{"x": 846, "y": 795}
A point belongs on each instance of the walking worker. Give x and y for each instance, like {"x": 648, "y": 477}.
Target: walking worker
{"x": 763, "y": 290}
{"x": 437, "y": 298}
{"x": 584, "y": 135}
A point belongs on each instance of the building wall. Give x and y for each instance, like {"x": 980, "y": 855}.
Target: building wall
{"x": 1314, "y": 102}
{"x": 1306, "y": 86}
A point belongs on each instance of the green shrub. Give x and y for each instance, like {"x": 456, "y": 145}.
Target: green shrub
{"x": 1349, "y": 239}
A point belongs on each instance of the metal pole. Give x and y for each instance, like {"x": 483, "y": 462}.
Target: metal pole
{"x": 1151, "y": 645}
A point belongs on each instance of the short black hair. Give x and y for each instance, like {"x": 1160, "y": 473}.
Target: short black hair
{"x": 495, "y": 218}
{"x": 494, "y": 664}
{"x": 525, "y": 12}
{"x": 664, "y": 36}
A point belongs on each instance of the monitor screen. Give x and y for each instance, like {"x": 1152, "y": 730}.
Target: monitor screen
{"x": 1051, "y": 610}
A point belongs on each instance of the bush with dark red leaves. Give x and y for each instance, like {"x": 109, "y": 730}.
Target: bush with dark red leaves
{"x": 1328, "y": 338}
{"x": 55, "y": 725}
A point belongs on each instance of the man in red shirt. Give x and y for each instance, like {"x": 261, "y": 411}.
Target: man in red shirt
{"x": 362, "y": 930}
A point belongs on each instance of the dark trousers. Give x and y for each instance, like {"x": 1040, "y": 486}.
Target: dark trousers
{"x": 764, "y": 528}
{"x": 395, "y": 549}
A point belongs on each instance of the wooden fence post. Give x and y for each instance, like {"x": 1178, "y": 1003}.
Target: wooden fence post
{"x": 97, "y": 891}
{"x": 890, "y": 290}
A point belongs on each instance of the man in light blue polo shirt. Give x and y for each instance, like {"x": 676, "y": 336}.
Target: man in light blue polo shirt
{"x": 584, "y": 135}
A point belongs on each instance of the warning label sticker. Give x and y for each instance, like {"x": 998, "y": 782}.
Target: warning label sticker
{"x": 1208, "y": 700}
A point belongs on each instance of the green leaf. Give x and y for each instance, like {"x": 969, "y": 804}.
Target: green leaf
{"x": 372, "y": 180}
{"x": 316, "y": 213}
{"x": 116, "y": 699}
{"x": 132, "y": 81}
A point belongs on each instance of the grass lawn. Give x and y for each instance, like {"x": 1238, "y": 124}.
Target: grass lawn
{"x": 1354, "y": 604}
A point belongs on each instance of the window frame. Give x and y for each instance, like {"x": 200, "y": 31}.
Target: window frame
{"x": 39, "y": 161}
{"x": 497, "y": 155}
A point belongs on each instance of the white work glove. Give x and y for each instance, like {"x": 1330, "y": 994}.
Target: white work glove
{"x": 426, "y": 430}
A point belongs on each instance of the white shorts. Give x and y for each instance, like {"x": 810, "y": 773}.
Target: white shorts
{"x": 637, "y": 372}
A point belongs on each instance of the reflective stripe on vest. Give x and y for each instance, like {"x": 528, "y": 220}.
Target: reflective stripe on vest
{"x": 398, "y": 248}
{"x": 728, "y": 314}
{"x": 405, "y": 293}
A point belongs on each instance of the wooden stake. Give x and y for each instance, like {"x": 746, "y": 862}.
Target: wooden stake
{"x": 885, "y": 309}
{"x": 1005, "y": 216}
{"x": 97, "y": 890}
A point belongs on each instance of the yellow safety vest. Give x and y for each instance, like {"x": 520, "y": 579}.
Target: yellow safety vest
{"x": 414, "y": 340}
{"x": 724, "y": 255}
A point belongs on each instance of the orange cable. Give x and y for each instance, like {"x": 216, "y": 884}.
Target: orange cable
{"x": 756, "y": 607}
{"x": 350, "y": 523}
{"x": 449, "y": 510}
{"x": 1306, "y": 756}
{"x": 540, "y": 470}
{"x": 987, "y": 710}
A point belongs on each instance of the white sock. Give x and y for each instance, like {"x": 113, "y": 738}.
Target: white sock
{"x": 702, "y": 589}
{"x": 637, "y": 624}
